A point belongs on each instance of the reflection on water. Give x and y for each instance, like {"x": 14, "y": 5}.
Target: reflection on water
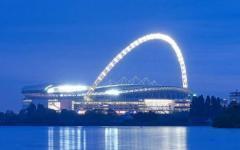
{"x": 117, "y": 138}
{"x": 111, "y": 139}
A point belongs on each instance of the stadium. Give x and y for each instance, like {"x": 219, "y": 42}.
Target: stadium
{"x": 121, "y": 98}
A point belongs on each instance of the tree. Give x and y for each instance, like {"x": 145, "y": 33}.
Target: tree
{"x": 216, "y": 107}
{"x": 207, "y": 106}
{"x": 197, "y": 108}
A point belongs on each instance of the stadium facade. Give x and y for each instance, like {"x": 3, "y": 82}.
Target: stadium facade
{"x": 121, "y": 98}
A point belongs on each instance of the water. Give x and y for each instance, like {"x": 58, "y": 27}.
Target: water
{"x": 118, "y": 138}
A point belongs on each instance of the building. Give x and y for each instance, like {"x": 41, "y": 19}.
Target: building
{"x": 235, "y": 96}
{"x": 121, "y": 98}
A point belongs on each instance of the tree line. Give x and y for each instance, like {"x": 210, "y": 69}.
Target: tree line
{"x": 203, "y": 111}
{"x": 39, "y": 115}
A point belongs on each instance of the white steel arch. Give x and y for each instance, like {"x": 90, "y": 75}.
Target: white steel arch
{"x": 131, "y": 47}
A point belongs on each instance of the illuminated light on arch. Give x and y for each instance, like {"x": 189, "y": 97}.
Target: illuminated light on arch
{"x": 131, "y": 47}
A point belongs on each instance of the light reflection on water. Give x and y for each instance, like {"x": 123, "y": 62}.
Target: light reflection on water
{"x": 117, "y": 138}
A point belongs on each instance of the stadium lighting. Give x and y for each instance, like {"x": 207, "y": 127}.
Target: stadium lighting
{"x": 66, "y": 89}
{"x": 194, "y": 95}
{"x": 112, "y": 92}
{"x": 131, "y": 47}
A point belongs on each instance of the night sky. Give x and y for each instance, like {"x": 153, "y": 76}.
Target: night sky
{"x": 56, "y": 41}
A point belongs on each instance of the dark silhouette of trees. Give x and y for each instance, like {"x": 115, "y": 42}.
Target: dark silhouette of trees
{"x": 203, "y": 111}
{"x": 207, "y": 106}
{"x": 198, "y": 107}
{"x": 37, "y": 115}
{"x": 229, "y": 118}
{"x": 215, "y": 107}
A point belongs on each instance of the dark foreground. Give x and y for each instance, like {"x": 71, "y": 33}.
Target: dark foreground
{"x": 118, "y": 138}
{"x": 40, "y": 116}
{"x": 207, "y": 111}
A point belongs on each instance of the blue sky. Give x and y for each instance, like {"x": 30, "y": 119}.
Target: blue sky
{"x": 71, "y": 42}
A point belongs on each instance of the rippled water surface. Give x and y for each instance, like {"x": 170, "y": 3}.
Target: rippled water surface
{"x": 118, "y": 138}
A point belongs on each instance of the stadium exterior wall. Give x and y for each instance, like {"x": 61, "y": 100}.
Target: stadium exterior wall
{"x": 121, "y": 98}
